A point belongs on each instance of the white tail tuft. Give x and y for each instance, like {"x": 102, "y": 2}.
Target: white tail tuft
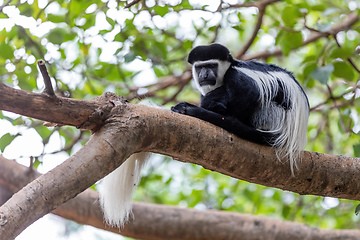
{"x": 117, "y": 188}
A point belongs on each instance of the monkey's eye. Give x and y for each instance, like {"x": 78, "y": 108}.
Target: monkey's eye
{"x": 212, "y": 65}
{"x": 206, "y": 65}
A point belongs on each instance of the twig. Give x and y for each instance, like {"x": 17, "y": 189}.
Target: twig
{"x": 350, "y": 20}
{"x": 132, "y": 3}
{"x": 337, "y": 108}
{"x": 348, "y": 59}
{"x": 167, "y": 82}
{"x": 31, "y": 41}
{"x": 261, "y": 5}
{"x": 48, "y": 87}
{"x": 251, "y": 4}
{"x": 315, "y": 108}
{"x": 4, "y": 5}
{"x": 181, "y": 87}
{"x": 254, "y": 34}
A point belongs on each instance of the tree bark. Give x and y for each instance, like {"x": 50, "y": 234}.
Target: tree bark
{"x": 129, "y": 128}
{"x": 172, "y": 222}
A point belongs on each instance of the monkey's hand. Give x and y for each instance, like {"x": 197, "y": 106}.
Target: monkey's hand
{"x": 182, "y": 107}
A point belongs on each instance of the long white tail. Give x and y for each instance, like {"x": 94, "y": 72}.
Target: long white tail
{"x": 117, "y": 188}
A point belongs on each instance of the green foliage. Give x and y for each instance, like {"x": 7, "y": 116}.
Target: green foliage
{"x": 357, "y": 209}
{"x": 91, "y": 47}
{"x": 5, "y": 140}
{"x": 322, "y": 74}
{"x": 288, "y": 41}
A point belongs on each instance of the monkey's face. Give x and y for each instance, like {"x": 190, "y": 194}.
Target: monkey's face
{"x": 206, "y": 73}
{"x": 209, "y": 75}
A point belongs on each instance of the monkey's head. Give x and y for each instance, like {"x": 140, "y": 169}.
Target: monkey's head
{"x": 209, "y": 65}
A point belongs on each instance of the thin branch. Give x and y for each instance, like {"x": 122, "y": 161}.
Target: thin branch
{"x": 48, "y": 86}
{"x": 4, "y": 5}
{"x": 262, "y": 8}
{"x": 350, "y": 20}
{"x": 31, "y": 41}
{"x": 353, "y": 90}
{"x": 163, "y": 84}
{"x": 337, "y": 108}
{"x": 348, "y": 59}
{"x": 132, "y": 3}
{"x": 251, "y": 4}
{"x": 173, "y": 97}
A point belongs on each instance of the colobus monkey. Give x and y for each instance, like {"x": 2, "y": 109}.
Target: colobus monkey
{"x": 259, "y": 102}
{"x": 262, "y": 103}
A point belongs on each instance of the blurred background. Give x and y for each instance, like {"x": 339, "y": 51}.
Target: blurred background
{"x": 138, "y": 50}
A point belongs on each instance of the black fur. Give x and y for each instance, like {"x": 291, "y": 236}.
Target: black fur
{"x": 213, "y": 51}
{"x": 232, "y": 106}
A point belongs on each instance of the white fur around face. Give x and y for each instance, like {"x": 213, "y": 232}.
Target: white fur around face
{"x": 223, "y": 66}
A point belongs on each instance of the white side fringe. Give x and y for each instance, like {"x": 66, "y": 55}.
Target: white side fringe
{"x": 117, "y": 188}
{"x": 291, "y": 124}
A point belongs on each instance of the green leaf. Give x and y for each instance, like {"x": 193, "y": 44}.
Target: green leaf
{"x": 60, "y": 35}
{"x": 43, "y": 131}
{"x": 56, "y": 35}
{"x": 6, "y": 51}
{"x": 110, "y": 21}
{"x": 286, "y": 211}
{"x": 56, "y": 18}
{"x": 322, "y": 74}
{"x": 130, "y": 57}
{"x": 119, "y": 37}
{"x": 26, "y": 9}
{"x": 343, "y": 70}
{"x": 356, "y": 148}
{"x": 288, "y": 41}
{"x": 6, "y": 139}
{"x": 290, "y": 16}
{"x": 13, "y": 33}
{"x": 357, "y": 209}
{"x": 308, "y": 68}
{"x": 319, "y": 7}
{"x": 90, "y": 21}
{"x": 343, "y": 53}
{"x": 161, "y": 10}
{"x": 2, "y": 15}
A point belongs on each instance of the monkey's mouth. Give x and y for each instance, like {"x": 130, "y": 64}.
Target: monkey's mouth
{"x": 207, "y": 81}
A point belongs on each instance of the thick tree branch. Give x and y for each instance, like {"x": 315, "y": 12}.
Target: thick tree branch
{"x": 172, "y": 222}
{"x": 80, "y": 113}
{"x": 131, "y": 128}
{"x": 59, "y": 185}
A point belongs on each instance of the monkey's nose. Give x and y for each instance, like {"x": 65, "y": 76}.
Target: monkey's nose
{"x": 204, "y": 74}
